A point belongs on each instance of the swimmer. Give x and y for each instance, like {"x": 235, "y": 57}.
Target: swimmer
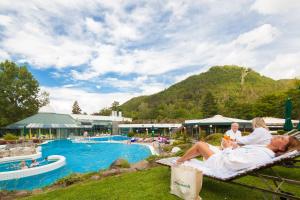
{"x": 23, "y": 165}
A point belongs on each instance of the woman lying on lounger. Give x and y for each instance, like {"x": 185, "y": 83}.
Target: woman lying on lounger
{"x": 241, "y": 157}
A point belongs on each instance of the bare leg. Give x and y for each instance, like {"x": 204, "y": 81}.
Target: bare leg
{"x": 200, "y": 148}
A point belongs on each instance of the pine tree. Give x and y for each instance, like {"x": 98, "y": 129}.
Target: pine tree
{"x": 209, "y": 106}
{"x": 75, "y": 108}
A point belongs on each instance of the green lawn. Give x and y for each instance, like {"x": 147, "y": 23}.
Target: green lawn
{"x": 153, "y": 184}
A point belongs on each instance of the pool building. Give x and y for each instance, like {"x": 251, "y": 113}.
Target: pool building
{"x": 49, "y": 124}
{"x": 165, "y": 129}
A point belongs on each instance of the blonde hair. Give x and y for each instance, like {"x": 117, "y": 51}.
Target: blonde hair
{"x": 259, "y": 122}
{"x": 293, "y": 144}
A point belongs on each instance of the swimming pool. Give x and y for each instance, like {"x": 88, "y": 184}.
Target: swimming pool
{"x": 16, "y": 165}
{"x": 80, "y": 158}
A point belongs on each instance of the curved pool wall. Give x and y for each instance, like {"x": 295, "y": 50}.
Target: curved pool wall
{"x": 80, "y": 158}
{"x": 19, "y": 158}
{"x": 22, "y": 173}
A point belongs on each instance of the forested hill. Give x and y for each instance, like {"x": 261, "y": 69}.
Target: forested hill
{"x": 228, "y": 90}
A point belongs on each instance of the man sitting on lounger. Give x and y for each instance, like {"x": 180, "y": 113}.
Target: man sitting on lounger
{"x": 259, "y": 136}
{"x": 234, "y": 132}
{"x": 241, "y": 157}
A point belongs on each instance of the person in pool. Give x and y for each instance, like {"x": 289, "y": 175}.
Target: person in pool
{"x": 241, "y": 157}
{"x": 23, "y": 165}
{"x": 34, "y": 163}
{"x": 44, "y": 161}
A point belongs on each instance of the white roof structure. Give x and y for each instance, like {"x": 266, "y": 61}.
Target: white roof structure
{"x": 150, "y": 125}
{"x": 99, "y": 118}
{"x": 277, "y": 122}
{"x": 217, "y": 120}
{"x": 38, "y": 125}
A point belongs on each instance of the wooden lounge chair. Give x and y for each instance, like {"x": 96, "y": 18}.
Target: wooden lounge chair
{"x": 285, "y": 160}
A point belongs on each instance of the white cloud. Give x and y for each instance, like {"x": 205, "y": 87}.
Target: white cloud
{"x": 94, "y": 26}
{"x": 276, "y": 6}
{"x": 278, "y": 67}
{"x": 147, "y": 38}
{"x": 259, "y": 36}
{"x": 5, "y": 20}
{"x": 62, "y": 99}
{"x": 40, "y": 49}
{"x": 35, "y": 37}
{"x": 4, "y": 55}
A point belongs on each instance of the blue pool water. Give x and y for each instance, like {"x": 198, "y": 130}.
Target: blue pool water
{"x": 11, "y": 166}
{"x": 116, "y": 138}
{"x": 80, "y": 158}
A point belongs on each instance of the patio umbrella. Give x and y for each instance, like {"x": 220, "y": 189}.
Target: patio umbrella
{"x": 288, "y": 125}
{"x": 152, "y": 132}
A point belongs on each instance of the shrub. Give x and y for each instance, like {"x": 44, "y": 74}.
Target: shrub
{"x": 152, "y": 158}
{"x": 179, "y": 153}
{"x": 281, "y": 132}
{"x": 120, "y": 163}
{"x": 203, "y": 135}
{"x": 177, "y": 142}
{"x": 167, "y": 148}
{"x": 214, "y": 139}
{"x": 88, "y": 175}
{"x": 184, "y": 147}
{"x": 130, "y": 134}
{"x": 69, "y": 180}
{"x": 245, "y": 133}
{"x": 177, "y": 135}
{"x": 10, "y": 137}
{"x": 124, "y": 164}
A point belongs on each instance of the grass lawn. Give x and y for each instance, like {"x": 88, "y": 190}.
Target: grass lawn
{"x": 154, "y": 184}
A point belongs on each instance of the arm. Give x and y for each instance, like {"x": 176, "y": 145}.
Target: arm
{"x": 239, "y": 134}
{"x": 229, "y": 144}
{"x": 249, "y": 139}
{"x": 227, "y": 133}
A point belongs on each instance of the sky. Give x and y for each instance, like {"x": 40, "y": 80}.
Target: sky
{"x": 100, "y": 51}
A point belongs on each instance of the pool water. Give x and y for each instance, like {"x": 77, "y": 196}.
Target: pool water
{"x": 11, "y": 166}
{"x": 108, "y": 138}
{"x": 80, "y": 158}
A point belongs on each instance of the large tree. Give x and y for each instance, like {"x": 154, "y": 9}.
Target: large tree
{"x": 75, "y": 108}
{"x": 115, "y": 106}
{"x": 20, "y": 95}
{"x": 104, "y": 112}
{"x": 209, "y": 106}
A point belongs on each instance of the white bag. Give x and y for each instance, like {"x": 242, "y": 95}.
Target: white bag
{"x": 186, "y": 182}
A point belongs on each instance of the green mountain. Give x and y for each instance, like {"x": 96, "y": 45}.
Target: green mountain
{"x": 228, "y": 90}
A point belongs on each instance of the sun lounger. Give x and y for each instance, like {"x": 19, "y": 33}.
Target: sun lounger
{"x": 285, "y": 160}
{"x": 296, "y": 135}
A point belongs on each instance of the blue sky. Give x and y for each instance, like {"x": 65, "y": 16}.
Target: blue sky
{"x": 100, "y": 51}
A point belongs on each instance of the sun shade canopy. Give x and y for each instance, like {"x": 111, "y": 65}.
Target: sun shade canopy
{"x": 217, "y": 120}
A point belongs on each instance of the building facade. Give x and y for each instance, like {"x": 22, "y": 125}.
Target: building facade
{"x": 48, "y": 124}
